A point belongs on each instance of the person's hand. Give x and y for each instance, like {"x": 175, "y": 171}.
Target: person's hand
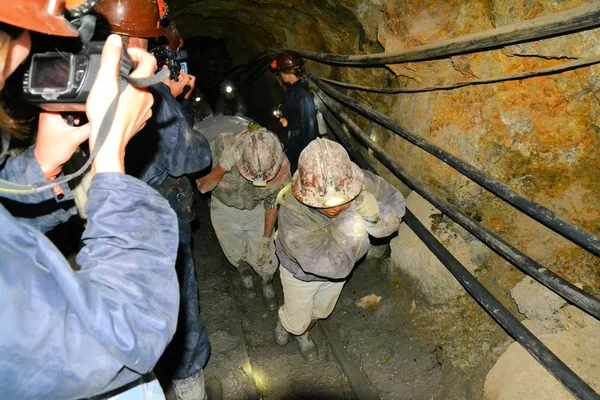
{"x": 283, "y": 122}
{"x": 208, "y": 182}
{"x": 367, "y": 206}
{"x": 134, "y": 109}
{"x": 56, "y": 142}
{"x": 265, "y": 248}
{"x": 177, "y": 87}
{"x": 189, "y": 89}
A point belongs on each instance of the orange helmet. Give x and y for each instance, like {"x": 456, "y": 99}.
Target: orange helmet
{"x": 44, "y": 16}
{"x": 138, "y": 18}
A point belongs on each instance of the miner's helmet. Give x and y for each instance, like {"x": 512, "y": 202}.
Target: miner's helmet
{"x": 326, "y": 177}
{"x": 259, "y": 156}
{"x": 289, "y": 62}
{"x": 136, "y": 18}
{"x": 44, "y": 16}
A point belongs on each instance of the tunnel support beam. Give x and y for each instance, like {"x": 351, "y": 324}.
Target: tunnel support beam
{"x": 573, "y": 20}
{"x": 583, "y": 238}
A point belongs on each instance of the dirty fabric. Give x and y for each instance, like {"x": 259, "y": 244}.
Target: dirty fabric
{"x": 314, "y": 247}
{"x": 240, "y": 233}
{"x": 236, "y": 191}
{"x": 305, "y": 301}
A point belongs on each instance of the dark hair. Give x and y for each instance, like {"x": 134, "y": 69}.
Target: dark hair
{"x": 8, "y": 124}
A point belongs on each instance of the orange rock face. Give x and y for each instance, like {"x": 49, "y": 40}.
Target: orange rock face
{"x": 539, "y": 135}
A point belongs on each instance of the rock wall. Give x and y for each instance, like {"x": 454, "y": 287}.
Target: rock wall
{"x": 540, "y": 135}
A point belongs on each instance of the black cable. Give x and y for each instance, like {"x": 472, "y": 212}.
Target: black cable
{"x": 585, "y": 239}
{"x": 523, "y": 262}
{"x": 573, "y": 20}
{"x": 571, "y": 381}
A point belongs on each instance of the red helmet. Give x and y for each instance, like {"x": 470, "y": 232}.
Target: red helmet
{"x": 44, "y": 16}
{"x": 289, "y": 62}
{"x": 326, "y": 177}
{"x": 138, "y": 18}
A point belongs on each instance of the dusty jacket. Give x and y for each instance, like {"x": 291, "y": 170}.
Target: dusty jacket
{"x": 314, "y": 247}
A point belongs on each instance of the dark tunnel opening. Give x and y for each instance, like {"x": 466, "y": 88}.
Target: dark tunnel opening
{"x": 213, "y": 60}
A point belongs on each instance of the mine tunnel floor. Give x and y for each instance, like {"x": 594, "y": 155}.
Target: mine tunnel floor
{"x": 380, "y": 338}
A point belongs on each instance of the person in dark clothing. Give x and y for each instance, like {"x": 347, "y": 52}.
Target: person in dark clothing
{"x": 163, "y": 152}
{"x": 231, "y": 101}
{"x": 299, "y": 113}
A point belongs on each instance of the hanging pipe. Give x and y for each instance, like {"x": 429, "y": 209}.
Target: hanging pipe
{"x": 569, "y": 230}
{"x": 494, "y": 308}
{"x": 502, "y": 78}
{"x": 573, "y": 20}
{"x": 549, "y": 279}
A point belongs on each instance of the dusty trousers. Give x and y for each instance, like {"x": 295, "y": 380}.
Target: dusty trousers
{"x": 188, "y": 352}
{"x": 306, "y": 301}
{"x": 239, "y": 233}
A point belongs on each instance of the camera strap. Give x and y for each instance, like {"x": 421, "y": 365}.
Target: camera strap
{"x": 125, "y": 69}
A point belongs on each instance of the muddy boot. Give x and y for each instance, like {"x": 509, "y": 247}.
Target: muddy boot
{"x": 280, "y": 334}
{"x": 191, "y": 388}
{"x": 307, "y": 347}
{"x": 268, "y": 293}
{"x": 214, "y": 388}
{"x": 247, "y": 281}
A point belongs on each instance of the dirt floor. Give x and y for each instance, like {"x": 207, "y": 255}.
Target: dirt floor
{"x": 407, "y": 350}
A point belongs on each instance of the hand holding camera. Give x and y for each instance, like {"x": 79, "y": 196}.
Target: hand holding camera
{"x": 134, "y": 107}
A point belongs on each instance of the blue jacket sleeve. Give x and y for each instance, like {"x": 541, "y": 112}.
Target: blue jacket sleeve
{"x": 75, "y": 334}
{"x": 179, "y": 150}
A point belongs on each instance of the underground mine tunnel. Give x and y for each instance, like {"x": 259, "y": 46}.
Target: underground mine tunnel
{"x": 486, "y": 116}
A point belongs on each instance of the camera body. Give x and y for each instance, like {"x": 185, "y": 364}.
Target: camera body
{"x": 171, "y": 58}
{"x": 58, "y": 81}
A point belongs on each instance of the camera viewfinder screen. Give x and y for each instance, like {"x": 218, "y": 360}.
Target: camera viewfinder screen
{"x": 53, "y": 72}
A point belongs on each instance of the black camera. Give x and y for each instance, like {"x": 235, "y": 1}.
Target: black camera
{"x": 60, "y": 81}
{"x": 171, "y": 58}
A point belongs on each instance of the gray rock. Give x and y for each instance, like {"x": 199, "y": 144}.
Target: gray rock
{"x": 517, "y": 375}
{"x": 413, "y": 259}
{"x": 534, "y": 300}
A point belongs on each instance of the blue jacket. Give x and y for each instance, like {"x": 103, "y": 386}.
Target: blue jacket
{"x": 50, "y": 210}
{"x": 71, "y": 334}
{"x": 167, "y": 145}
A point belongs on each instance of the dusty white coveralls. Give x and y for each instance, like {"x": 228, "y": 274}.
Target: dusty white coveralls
{"x": 317, "y": 253}
{"x": 237, "y": 212}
